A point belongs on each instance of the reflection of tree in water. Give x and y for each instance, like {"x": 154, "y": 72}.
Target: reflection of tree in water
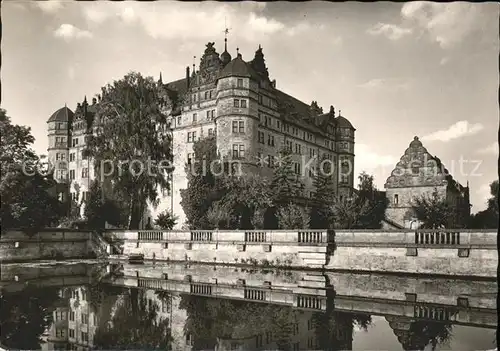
{"x": 210, "y": 318}
{"x": 134, "y": 325}
{"x": 334, "y": 329}
{"x": 24, "y": 316}
{"x": 416, "y": 335}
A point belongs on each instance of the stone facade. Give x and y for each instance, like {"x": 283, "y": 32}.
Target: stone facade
{"x": 418, "y": 174}
{"x": 234, "y": 101}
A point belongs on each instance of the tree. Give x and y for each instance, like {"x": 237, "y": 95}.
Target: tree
{"x": 347, "y": 212}
{"x": 433, "y": 211}
{"x": 134, "y": 325}
{"x": 26, "y": 201}
{"x": 166, "y": 220}
{"x": 204, "y": 184}
{"x": 246, "y": 198}
{"x": 132, "y": 143}
{"x": 219, "y": 215}
{"x": 487, "y": 219}
{"x": 25, "y": 315}
{"x": 376, "y": 202}
{"x": 293, "y": 216}
{"x": 285, "y": 183}
{"x": 74, "y": 210}
{"x": 324, "y": 196}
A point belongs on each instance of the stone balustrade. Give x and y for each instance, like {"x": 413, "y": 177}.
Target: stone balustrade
{"x": 230, "y": 236}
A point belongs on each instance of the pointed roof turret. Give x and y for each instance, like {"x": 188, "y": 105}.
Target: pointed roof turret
{"x": 225, "y": 56}
{"x": 160, "y": 80}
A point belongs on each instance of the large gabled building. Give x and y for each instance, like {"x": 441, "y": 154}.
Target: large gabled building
{"x": 418, "y": 174}
{"x": 236, "y": 102}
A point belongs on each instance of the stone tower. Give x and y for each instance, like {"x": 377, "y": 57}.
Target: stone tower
{"x": 345, "y": 150}
{"x": 237, "y": 114}
{"x": 58, "y": 133}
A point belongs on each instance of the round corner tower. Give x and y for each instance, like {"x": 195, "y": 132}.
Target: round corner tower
{"x": 237, "y": 114}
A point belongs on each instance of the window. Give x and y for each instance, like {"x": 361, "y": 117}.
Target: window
{"x": 261, "y": 137}
{"x": 289, "y": 145}
{"x": 210, "y": 94}
{"x": 415, "y": 170}
{"x": 278, "y": 124}
{"x": 269, "y": 337}
{"x": 85, "y": 318}
{"x": 238, "y": 127}
{"x": 310, "y": 342}
{"x": 75, "y": 142}
{"x": 85, "y": 172}
{"x": 60, "y": 333}
{"x": 191, "y": 137}
{"x": 310, "y": 324}
{"x": 240, "y": 83}
{"x": 206, "y": 95}
{"x": 258, "y": 340}
{"x": 238, "y": 151}
{"x": 85, "y": 195}
{"x": 297, "y": 167}
{"x": 270, "y": 161}
{"x": 312, "y": 153}
{"x": 298, "y": 149}
{"x": 195, "y": 117}
{"x": 60, "y": 316}
{"x": 212, "y": 114}
{"x": 189, "y": 158}
{"x": 194, "y": 97}
{"x": 72, "y": 157}
{"x": 270, "y": 140}
{"x": 396, "y": 199}
{"x": 72, "y": 316}
{"x": 71, "y": 174}
{"x": 210, "y": 132}
{"x": 236, "y": 103}
{"x": 296, "y": 346}
{"x": 344, "y": 179}
{"x": 59, "y": 126}
{"x": 179, "y": 120}
{"x": 85, "y": 337}
{"x": 71, "y": 333}
{"x": 243, "y": 104}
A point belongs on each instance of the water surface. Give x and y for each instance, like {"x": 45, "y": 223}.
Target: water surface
{"x": 95, "y": 305}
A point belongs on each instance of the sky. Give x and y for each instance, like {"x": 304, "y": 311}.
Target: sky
{"x": 394, "y": 70}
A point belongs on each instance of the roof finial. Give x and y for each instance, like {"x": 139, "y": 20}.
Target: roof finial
{"x": 194, "y": 61}
{"x": 238, "y": 52}
{"x": 340, "y": 113}
{"x": 160, "y": 80}
{"x": 226, "y": 32}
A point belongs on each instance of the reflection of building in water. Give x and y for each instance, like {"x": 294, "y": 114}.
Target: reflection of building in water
{"x": 258, "y": 337}
{"x": 74, "y": 321}
{"x": 168, "y": 308}
{"x": 412, "y": 338}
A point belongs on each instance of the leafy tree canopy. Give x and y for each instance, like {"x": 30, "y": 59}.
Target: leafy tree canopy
{"x": 131, "y": 145}
{"x": 26, "y": 201}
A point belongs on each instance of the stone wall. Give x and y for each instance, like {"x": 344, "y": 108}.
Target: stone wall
{"x": 47, "y": 244}
{"x": 465, "y": 253}
{"x": 266, "y": 248}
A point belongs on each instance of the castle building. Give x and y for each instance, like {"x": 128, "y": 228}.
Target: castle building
{"x": 418, "y": 174}
{"x": 235, "y": 102}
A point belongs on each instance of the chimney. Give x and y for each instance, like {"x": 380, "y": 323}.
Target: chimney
{"x": 273, "y": 83}
{"x": 188, "y": 76}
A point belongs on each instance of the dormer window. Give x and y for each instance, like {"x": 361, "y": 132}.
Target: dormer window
{"x": 239, "y": 83}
